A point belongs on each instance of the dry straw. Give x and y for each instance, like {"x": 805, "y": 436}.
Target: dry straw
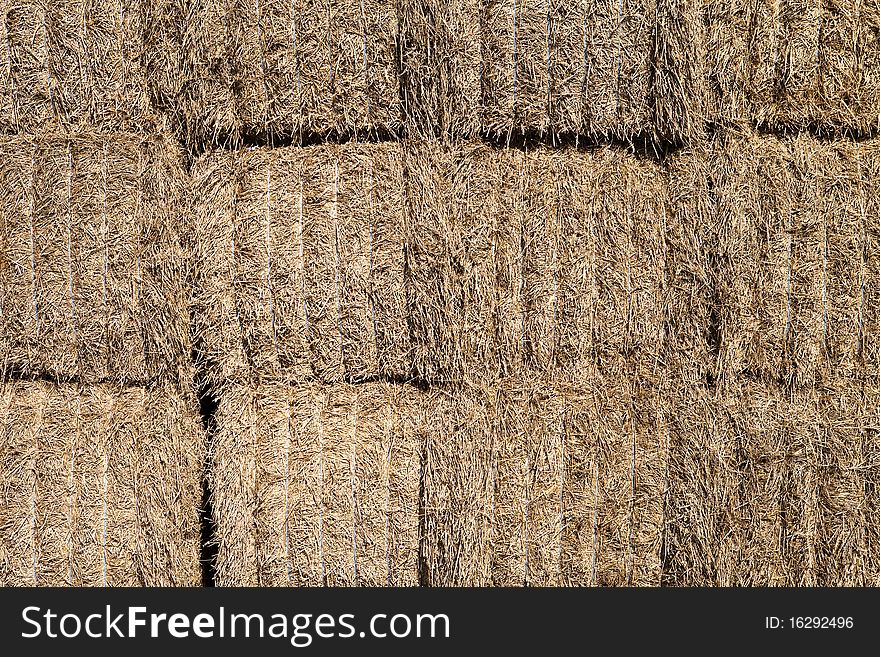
{"x": 791, "y": 255}
{"x": 101, "y": 486}
{"x": 76, "y": 62}
{"x": 441, "y": 57}
{"x": 92, "y": 271}
{"x": 587, "y": 67}
{"x": 317, "y": 485}
{"x": 299, "y": 263}
{"x": 532, "y": 483}
{"x": 522, "y": 261}
{"x": 795, "y": 65}
{"x": 285, "y": 68}
{"x": 768, "y": 488}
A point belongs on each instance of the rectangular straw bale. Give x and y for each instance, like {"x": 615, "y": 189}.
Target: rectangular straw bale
{"x": 316, "y": 485}
{"x": 567, "y": 65}
{"x": 792, "y": 275}
{"x": 679, "y": 87}
{"x": 618, "y": 54}
{"x": 75, "y": 62}
{"x": 300, "y": 263}
{"x": 441, "y": 64}
{"x": 454, "y": 231}
{"x": 776, "y": 433}
{"x": 703, "y": 531}
{"x": 527, "y": 479}
{"x": 846, "y": 554}
{"x": 294, "y": 68}
{"x": 611, "y": 261}
{"x": 92, "y": 273}
{"x": 517, "y": 62}
{"x": 795, "y": 64}
{"x": 103, "y": 486}
{"x": 456, "y": 431}
{"x": 869, "y": 430}
{"x": 837, "y": 194}
{"x": 616, "y": 454}
{"x": 691, "y": 333}
{"x": 753, "y": 185}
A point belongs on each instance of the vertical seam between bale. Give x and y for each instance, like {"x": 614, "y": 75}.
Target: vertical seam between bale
{"x": 83, "y": 67}
{"x": 141, "y": 417}
{"x": 788, "y": 290}
{"x": 527, "y": 483}
{"x": 69, "y": 214}
{"x": 619, "y": 38}
{"x": 549, "y": 100}
{"x": 595, "y": 555}
{"x": 819, "y": 72}
{"x": 826, "y": 346}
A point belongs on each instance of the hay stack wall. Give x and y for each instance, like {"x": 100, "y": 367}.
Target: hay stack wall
{"x": 317, "y": 485}
{"x": 282, "y": 69}
{"x": 74, "y": 63}
{"x": 796, "y": 65}
{"x": 519, "y": 260}
{"x": 101, "y": 486}
{"x": 300, "y": 264}
{"x": 93, "y": 264}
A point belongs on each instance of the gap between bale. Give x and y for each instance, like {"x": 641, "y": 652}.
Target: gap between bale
{"x": 102, "y": 485}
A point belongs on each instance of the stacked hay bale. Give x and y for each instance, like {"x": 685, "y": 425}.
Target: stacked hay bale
{"x": 74, "y": 63}
{"x": 271, "y": 70}
{"x": 547, "y": 67}
{"x": 102, "y": 448}
{"x": 772, "y": 467}
{"x": 795, "y": 66}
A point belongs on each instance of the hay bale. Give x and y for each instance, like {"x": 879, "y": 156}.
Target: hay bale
{"x": 680, "y": 85}
{"x": 519, "y": 260}
{"x": 316, "y": 485}
{"x": 772, "y": 488}
{"x": 457, "y": 488}
{"x": 691, "y": 332}
{"x": 75, "y": 62}
{"x": 441, "y": 61}
{"x": 101, "y": 485}
{"x": 92, "y": 270}
{"x": 616, "y": 453}
{"x": 581, "y": 67}
{"x": 610, "y": 263}
{"x": 869, "y": 206}
{"x": 527, "y": 478}
{"x": 280, "y": 69}
{"x": 300, "y": 263}
{"x": 795, "y": 65}
{"x": 453, "y": 229}
{"x": 793, "y": 270}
